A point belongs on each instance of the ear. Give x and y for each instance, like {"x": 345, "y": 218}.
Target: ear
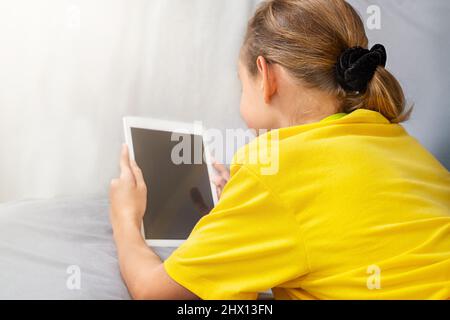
{"x": 268, "y": 79}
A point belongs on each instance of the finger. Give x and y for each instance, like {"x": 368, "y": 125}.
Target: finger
{"x": 138, "y": 175}
{"x": 124, "y": 157}
{"x": 218, "y": 181}
{"x": 219, "y": 166}
{"x": 125, "y": 170}
{"x": 222, "y": 170}
{"x": 219, "y": 192}
{"x": 226, "y": 175}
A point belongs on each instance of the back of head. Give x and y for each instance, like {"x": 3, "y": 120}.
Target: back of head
{"x": 308, "y": 38}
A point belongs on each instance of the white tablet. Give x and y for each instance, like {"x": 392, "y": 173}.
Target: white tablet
{"x": 177, "y": 168}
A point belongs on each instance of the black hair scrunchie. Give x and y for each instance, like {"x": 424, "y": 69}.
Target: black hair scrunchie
{"x": 356, "y": 67}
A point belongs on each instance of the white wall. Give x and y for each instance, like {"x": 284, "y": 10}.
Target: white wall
{"x": 70, "y": 69}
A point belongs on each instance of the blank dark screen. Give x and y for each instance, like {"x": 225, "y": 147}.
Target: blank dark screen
{"x": 178, "y": 195}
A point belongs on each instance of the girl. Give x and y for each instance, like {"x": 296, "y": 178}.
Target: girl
{"x": 357, "y": 208}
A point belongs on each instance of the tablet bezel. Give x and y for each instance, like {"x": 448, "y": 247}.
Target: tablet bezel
{"x": 175, "y": 127}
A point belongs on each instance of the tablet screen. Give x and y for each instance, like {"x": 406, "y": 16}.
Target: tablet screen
{"x": 178, "y": 194}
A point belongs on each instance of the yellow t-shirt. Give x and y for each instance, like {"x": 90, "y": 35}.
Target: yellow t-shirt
{"x": 352, "y": 208}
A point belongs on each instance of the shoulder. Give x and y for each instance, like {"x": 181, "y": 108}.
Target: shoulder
{"x": 258, "y": 156}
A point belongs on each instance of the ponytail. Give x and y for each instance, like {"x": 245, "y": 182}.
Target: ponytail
{"x": 384, "y": 94}
{"x": 367, "y": 84}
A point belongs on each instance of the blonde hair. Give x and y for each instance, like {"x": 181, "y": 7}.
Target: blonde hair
{"x": 307, "y": 37}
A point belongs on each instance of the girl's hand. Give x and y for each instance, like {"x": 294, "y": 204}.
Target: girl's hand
{"x": 128, "y": 194}
{"x": 221, "y": 178}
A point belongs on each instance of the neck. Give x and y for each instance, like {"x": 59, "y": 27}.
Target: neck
{"x": 312, "y": 106}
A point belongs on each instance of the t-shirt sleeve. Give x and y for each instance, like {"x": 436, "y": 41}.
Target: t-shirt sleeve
{"x": 247, "y": 244}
